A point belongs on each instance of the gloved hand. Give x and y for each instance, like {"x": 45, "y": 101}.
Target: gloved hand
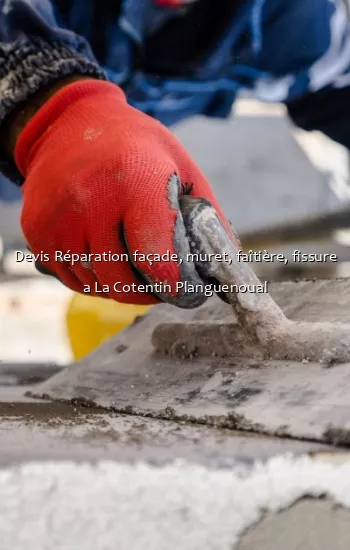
{"x": 102, "y": 177}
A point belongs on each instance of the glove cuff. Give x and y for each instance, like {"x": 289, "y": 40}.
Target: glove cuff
{"x": 52, "y": 109}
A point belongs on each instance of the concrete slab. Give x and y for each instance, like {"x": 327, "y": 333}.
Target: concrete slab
{"x": 45, "y": 431}
{"x": 301, "y": 400}
{"x": 309, "y": 524}
{"x": 76, "y": 477}
{"x": 73, "y": 477}
{"x": 37, "y": 429}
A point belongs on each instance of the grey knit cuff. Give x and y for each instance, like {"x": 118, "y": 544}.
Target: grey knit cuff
{"x": 32, "y": 65}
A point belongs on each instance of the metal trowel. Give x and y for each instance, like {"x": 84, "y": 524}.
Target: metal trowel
{"x": 262, "y": 330}
{"x": 279, "y": 363}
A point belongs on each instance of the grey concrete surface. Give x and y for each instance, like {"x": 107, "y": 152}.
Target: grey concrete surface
{"x": 305, "y": 400}
{"x": 308, "y": 525}
{"x": 76, "y": 478}
{"x": 32, "y": 429}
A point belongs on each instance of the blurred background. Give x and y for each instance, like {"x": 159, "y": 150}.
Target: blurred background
{"x": 301, "y": 190}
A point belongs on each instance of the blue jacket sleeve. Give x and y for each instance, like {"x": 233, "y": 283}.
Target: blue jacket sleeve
{"x": 35, "y": 51}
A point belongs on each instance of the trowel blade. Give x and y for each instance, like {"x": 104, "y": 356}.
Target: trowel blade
{"x": 299, "y": 400}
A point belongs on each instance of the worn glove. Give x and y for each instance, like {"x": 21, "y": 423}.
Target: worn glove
{"x": 102, "y": 178}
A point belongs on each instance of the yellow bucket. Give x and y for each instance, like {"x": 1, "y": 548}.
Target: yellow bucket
{"x": 92, "y": 320}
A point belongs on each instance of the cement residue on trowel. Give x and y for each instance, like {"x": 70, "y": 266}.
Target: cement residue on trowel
{"x": 263, "y": 331}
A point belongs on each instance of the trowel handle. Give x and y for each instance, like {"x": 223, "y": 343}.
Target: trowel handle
{"x": 216, "y": 259}
{"x": 200, "y": 219}
{"x": 209, "y": 241}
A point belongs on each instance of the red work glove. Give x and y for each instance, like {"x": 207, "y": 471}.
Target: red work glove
{"x": 102, "y": 177}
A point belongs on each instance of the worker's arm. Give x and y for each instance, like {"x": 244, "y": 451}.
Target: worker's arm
{"x": 100, "y": 179}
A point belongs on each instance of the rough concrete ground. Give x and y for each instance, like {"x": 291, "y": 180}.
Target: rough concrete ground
{"x": 35, "y": 429}
{"x": 75, "y": 478}
{"x": 165, "y": 483}
{"x": 308, "y": 525}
